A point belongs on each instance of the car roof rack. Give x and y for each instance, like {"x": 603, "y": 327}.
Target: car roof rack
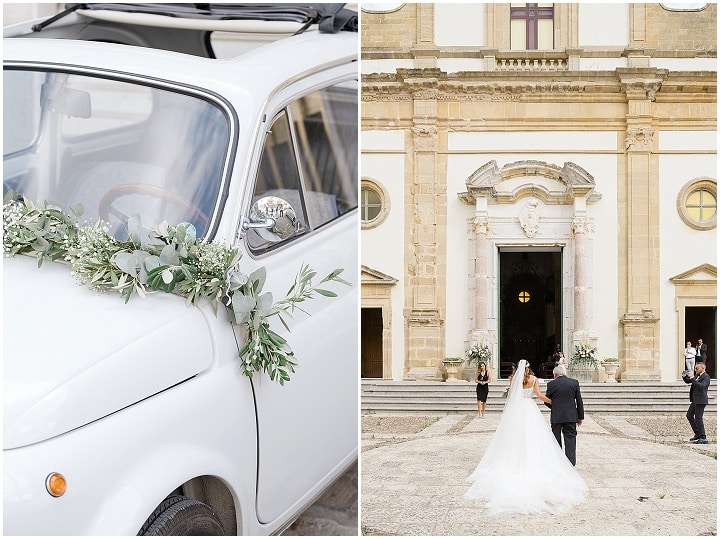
{"x": 330, "y": 18}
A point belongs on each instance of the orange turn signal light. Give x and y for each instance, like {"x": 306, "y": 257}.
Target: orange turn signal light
{"x": 56, "y": 484}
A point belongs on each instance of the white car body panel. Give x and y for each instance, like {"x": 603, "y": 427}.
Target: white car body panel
{"x": 105, "y": 365}
{"x": 130, "y": 401}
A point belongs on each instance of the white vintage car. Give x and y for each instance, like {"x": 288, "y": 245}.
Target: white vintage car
{"x": 138, "y": 417}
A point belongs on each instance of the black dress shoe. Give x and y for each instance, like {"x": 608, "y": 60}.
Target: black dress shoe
{"x": 694, "y": 438}
{"x": 700, "y": 441}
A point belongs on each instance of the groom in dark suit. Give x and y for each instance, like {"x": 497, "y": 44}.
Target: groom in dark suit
{"x": 566, "y": 411}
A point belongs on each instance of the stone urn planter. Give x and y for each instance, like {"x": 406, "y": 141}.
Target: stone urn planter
{"x": 452, "y": 366}
{"x": 611, "y": 366}
{"x": 582, "y": 374}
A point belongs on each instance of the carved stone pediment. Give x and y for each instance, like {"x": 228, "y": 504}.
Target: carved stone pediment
{"x": 548, "y": 182}
{"x": 369, "y": 276}
{"x": 704, "y": 273}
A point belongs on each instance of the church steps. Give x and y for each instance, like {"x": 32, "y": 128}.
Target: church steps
{"x": 446, "y": 397}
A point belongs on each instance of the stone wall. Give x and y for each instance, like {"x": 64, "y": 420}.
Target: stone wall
{"x": 680, "y": 30}
{"x": 399, "y": 28}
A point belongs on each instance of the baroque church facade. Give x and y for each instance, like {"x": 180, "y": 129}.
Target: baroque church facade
{"x": 537, "y": 175}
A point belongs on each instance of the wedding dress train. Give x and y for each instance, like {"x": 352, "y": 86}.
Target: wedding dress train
{"x": 524, "y": 470}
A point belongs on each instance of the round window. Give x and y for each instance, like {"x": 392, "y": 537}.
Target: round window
{"x": 374, "y": 203}
{"x": 697, "y": 204}
{"x": 701, "y": 205}
{"x": 380, "y": 7}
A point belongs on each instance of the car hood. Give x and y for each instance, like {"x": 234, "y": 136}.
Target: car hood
{"x": 72, "y": 355}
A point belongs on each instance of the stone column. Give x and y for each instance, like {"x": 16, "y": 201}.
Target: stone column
{"x": 583, "y": 275}
{"x": 582, "y": 230}
{"x": 479, "y": 230}
{"x": 425, "y": 251}
{"x": 640, "y": 262}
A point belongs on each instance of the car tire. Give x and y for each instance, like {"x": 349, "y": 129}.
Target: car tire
{"x": 178, "y": 515}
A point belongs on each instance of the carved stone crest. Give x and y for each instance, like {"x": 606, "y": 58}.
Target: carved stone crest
{"x": 530, "y": 219}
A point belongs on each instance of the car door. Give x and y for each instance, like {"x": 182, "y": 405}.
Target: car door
{"x": 307, "y": 428}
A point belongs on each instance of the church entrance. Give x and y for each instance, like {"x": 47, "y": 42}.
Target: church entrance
{"x": 701, "y": 322}
{"x": 371, "y": 343}
{"x": 530, "y": 308}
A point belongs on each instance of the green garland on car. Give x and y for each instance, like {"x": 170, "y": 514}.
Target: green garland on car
{"x": 168, "y": 259}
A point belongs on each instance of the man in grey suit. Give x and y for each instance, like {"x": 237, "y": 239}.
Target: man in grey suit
{"x": 566, "y": 411}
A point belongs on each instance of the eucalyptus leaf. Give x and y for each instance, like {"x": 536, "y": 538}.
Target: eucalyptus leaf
{"x": 126, "y": 262}
{"x": 242, "y": 307}
{"x": 141, "y": 257}
{"x": 189, "y": 232}
{"x": 257, "y": 278}
{"x": 41, "y": 245}
{"x": 138, "y": 234}
{"x": 151, "y": 262}
{"x": 265, "y": 303}
{"x": 169, "y": 256}
{"x": 237, "y": 279}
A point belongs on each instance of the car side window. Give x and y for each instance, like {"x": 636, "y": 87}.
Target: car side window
{"x": 326, "y": 126}
{"x": 309, "y": 160}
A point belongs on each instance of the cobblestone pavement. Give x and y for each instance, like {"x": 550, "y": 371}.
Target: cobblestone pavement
{"x": 644, "y": 478}
{"x": 334, "y": 513}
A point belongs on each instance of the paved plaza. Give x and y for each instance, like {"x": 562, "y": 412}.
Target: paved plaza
{"x": 643, "y": 475}
{"x": 334, "y": 513}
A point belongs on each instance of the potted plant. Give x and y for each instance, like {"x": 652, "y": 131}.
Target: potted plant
{"x": 583, "y": 362}
{"x": 611, "y": 365}
{"x": 451, "y": 365}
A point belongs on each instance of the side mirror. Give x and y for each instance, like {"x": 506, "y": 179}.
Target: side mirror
{"x": 273, "y": 218}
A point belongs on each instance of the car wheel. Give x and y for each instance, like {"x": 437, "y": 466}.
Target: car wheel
{"x": 178, "y": 515}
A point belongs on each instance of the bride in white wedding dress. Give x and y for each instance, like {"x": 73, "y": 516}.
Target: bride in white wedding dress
{"x": 524, "y": 470}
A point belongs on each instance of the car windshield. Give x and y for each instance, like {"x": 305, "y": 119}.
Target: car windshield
{"x": 117, "y": 147}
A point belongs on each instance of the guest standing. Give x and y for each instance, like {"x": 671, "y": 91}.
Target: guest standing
{"x": 482, "y": 377}
{"x": 698, "y": 400}
{"x": 701, "y": 352}
{"x": 690, "y": 356}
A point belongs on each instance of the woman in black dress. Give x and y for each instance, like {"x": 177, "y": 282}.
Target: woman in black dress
{"x": 482, "y": 377}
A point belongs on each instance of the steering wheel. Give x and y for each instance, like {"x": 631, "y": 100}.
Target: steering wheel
{"x": 106, "y": 208}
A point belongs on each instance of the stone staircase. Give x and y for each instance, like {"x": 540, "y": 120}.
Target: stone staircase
{"x": 459, "y": 397}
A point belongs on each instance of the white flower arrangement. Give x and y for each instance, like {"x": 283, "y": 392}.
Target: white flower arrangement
{"x": 168, "y": 259}
{"x": 479, "y": 353}
{"x": 584, "y": 356}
